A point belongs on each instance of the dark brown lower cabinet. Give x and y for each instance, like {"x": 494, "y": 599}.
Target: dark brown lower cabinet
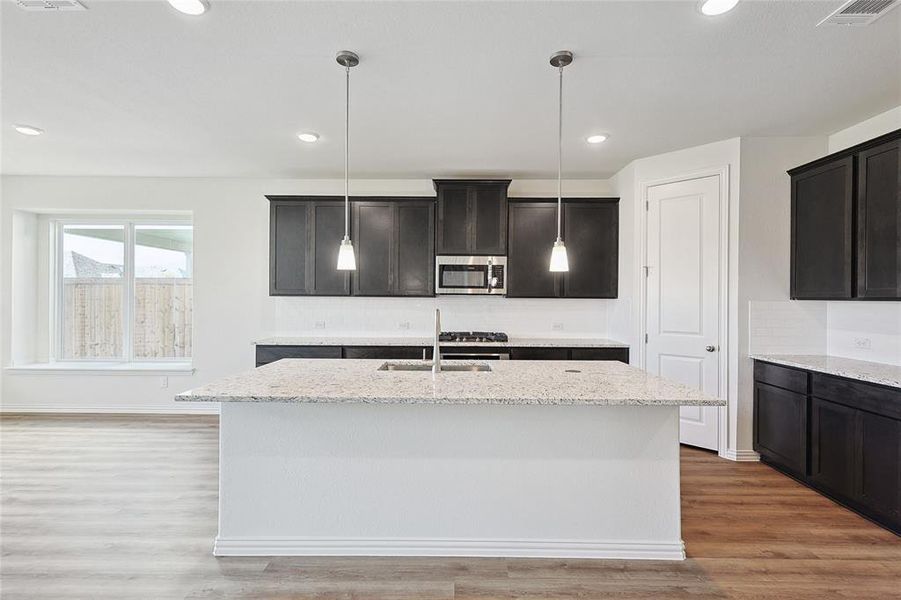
{"x": 841, "y": 437}
{"x": 780, "y": 426}
{"x": 266, "y": 354}
{"x": 879, "y": 486}
{"x": 832, "y": 446}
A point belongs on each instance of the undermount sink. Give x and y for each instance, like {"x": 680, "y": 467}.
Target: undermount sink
{"x": 476, "y": 368}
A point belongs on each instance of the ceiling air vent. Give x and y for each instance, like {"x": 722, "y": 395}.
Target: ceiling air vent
{"x": 859, "y": 12}
{"x": 50, "y": 5}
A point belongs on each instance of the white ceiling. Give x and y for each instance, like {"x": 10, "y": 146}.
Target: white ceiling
{"x": 443, "y": 89}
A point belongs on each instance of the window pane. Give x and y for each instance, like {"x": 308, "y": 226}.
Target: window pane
{"x": 93, "y": 270}
{"x": 164, "y": 291}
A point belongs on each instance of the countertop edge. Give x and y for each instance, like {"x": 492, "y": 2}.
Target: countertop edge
{"x": 797, "y": 362}
{"x": 514, "y": 342}
{"x": 442, "y": 402}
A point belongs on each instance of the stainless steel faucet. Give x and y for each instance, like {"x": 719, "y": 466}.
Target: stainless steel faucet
{"x": 436, "y": 350}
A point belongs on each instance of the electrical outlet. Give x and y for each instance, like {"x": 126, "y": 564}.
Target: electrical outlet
{"x": 404, "y": 325}
{"x": 164, "y": 382}
{"x": 320, "y": 325}
{"x": 557, "y": 326}
{"x": 862, "y": 343}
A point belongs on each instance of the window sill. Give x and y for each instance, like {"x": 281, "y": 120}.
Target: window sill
{"x": 103, "y": 368}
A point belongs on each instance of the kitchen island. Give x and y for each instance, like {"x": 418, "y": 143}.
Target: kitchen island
{"x": 529, "y": 458}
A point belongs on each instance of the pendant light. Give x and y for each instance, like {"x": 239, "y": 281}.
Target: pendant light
{"x": 346, "y": 259}
{"x": 559, "y": 261}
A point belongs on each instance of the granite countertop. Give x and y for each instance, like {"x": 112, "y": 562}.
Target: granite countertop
{"x": 514, "y": 341}
{"x": 862, "y": 370}
{"x": 601, "y": 383}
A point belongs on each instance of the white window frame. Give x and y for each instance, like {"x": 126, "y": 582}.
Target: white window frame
{"x": 57, "y": 227}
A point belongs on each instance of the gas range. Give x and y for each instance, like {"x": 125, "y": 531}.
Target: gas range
{"x": 472, "y": 336}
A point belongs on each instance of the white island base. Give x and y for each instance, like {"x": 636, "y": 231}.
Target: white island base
{"x": 332, "y": 479}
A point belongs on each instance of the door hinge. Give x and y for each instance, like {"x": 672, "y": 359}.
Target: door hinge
{"x": 645, "y": 338}
{"x": 647, "y": 206}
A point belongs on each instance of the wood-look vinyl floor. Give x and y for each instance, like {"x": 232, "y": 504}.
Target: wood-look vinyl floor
{"x": 125, "y": 507}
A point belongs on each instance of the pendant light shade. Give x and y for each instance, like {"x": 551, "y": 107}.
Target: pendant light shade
{"x": 346, "y": 259}
{"x": 559, "y": 260}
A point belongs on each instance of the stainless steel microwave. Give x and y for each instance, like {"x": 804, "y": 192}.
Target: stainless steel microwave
{"x": 471, "y": 275}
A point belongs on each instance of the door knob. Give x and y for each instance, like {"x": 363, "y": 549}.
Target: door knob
{"x": 710, "y": 348}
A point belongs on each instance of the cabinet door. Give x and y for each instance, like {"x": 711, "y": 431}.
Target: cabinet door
{"x": 592, "y": 247}
{"x": 328, "y": 231}
{"x": 822, "y": 201}
{"x": 373, "y": 233}
{"x": 415, "y": 248}
{"x": 288, "y": 247}
{"x": 833, "y": 447}
{"x": 780, "y": 426}
{"x": 533, "y": 229}
{"x": 879, "y": 222}
{"x": 453, "y": 220}
{"x": 879, "y": 486}
{"x": 489, "y": 219}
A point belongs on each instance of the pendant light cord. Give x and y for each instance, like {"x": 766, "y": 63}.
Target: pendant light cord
{"x": 559, "y": 152}
{"x": 346, "y": 146}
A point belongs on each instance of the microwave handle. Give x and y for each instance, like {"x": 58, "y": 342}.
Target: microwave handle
{"x": 490, "y": 275}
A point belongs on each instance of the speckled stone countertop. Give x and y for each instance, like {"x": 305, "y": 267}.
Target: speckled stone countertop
{"x": 603, "y": 383}
{"x": 861, "y": 370}
{"x": 515, "y": 341}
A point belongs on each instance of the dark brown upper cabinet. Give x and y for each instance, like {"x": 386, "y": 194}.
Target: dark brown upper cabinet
{"x": 591, "y": 233}
{"x": 533, "y": 229}
{"x": 395, "y": 244}
{"x": 879, "y": 222}
{"x": 592, "y": 248}
{"x": 846, "y": 224}
{"x": 304, "y": 235}
{"x": 472, "y": 216}
{"x": 822, "y": 209}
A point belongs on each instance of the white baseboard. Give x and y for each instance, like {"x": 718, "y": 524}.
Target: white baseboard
{"x": 448, "y": 547}
{"x": 740, "y": 455}
{"x": 187, "y": 409}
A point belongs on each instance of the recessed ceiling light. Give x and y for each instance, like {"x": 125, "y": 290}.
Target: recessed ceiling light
{"x": 190, "y": 7}
{"x": 28, "y": 130}
{"x": 711, "y": 8}
{"x": 308, "y": 136}
{"x": 596, "y": 139}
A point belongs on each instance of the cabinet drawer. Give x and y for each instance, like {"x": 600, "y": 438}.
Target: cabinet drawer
{"x": 387, "y": 352}
{"x": 784, "y": 377}
{"x": 620, "y": 354}
{"x": 780, "y": 426}
{"x": 268, "y": 354}
{"x": 539, "y": 353}
{"x": 865, "y": 396}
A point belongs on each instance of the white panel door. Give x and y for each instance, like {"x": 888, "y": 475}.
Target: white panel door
{"x": 683, "y": 295}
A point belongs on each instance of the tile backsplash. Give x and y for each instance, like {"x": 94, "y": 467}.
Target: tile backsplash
{"x": 415, "y": 316}
{"x": 865, "y": 331}
{"x": 787, "y": 327}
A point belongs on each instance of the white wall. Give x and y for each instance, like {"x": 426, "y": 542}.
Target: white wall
{"x": 764, "y": 261}
{"x": 626, "y": 315}
{"x": 875, "y": 126}
{"x": 865, "y": 330}
{"x": 231, "y": 303}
